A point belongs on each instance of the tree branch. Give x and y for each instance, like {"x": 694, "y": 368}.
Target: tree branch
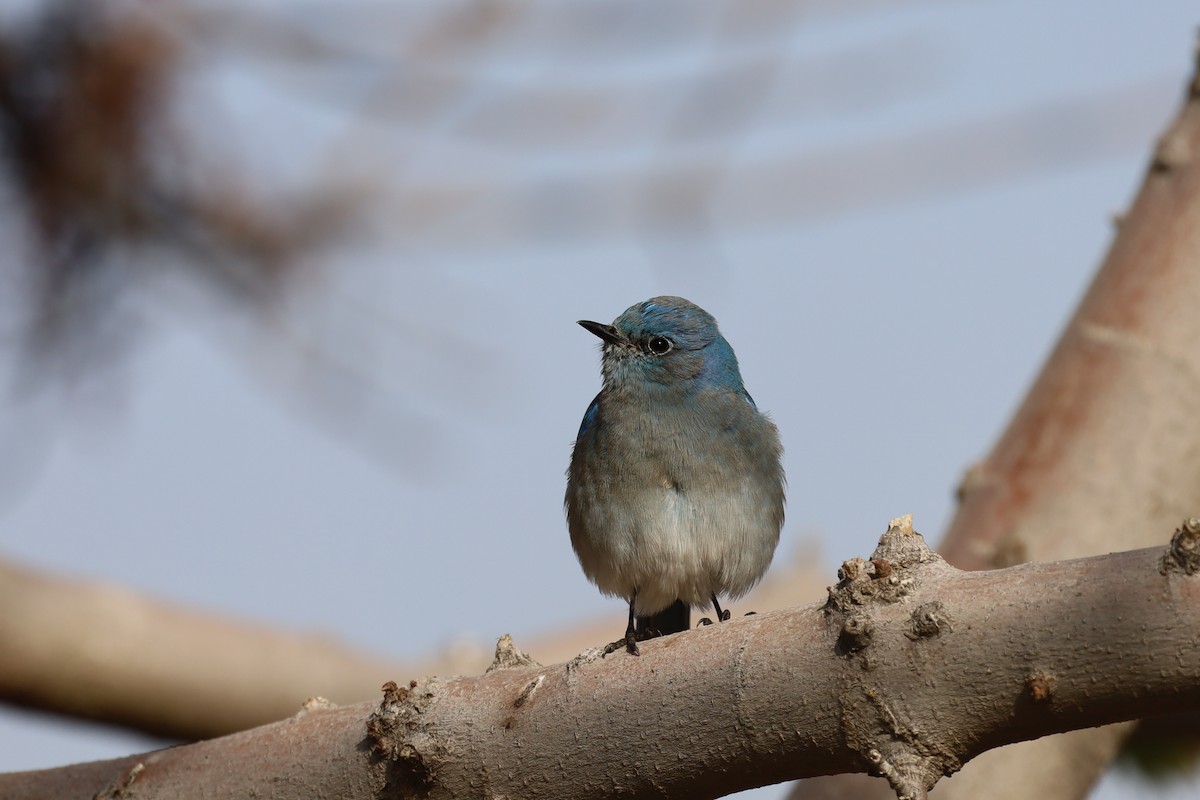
{"x": 909, "y": 669}
{"x": 1104, "y": 450}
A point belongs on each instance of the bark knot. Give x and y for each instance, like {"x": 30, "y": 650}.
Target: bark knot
{"x": 397, "y": 733}
{"x": 910, "y": 776}
{"x": 509, "y": 656}
{"x": 315, "y": 704}
{"x": 855, "y": 634}
{"x": 887, "y": 577}
{"x": 928, "y": 620}
{"x": 1041, "y": 687}
{"x": 1184, "y": 552}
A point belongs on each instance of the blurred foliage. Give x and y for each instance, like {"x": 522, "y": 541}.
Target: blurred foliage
{"x": 98, "y": 173}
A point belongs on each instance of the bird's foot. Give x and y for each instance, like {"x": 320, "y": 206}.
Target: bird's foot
{"x": 629, "y": 643}
{"x": 621, "y": 644}
{"x": 723, "y": 617}
{"x": 749, "y": 614}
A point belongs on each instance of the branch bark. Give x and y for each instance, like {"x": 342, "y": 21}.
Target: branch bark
{"x": 909, "y": 669}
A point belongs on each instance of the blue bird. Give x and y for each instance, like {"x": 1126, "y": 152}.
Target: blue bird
{"x": 675, "y": 491}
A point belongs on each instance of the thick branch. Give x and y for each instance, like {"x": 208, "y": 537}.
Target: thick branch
{"x": 1104, "y": 450}
{"x": 911, "y": 668}
{"x": 1107, "y": 436}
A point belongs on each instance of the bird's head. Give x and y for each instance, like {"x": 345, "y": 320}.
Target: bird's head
{"x": 667, "y": 342}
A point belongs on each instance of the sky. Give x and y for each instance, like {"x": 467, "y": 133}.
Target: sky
{"x": 899, "y": 207}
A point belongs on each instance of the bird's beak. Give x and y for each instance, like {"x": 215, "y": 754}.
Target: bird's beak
{"x": 606, "y": 332}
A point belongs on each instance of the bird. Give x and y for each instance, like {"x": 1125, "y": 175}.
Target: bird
{"x": 675, "y": 490}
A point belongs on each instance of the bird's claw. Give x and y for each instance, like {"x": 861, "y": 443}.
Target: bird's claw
{"x": 628, "y": 643}
{"x": 620, "y": 644}
{"x": 723, "y": 617}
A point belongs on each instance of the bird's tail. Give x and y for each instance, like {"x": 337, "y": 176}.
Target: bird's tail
{"x": 674, "y": 618}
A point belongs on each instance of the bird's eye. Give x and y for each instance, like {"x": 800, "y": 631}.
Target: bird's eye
{"x": 659, "y": 345}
